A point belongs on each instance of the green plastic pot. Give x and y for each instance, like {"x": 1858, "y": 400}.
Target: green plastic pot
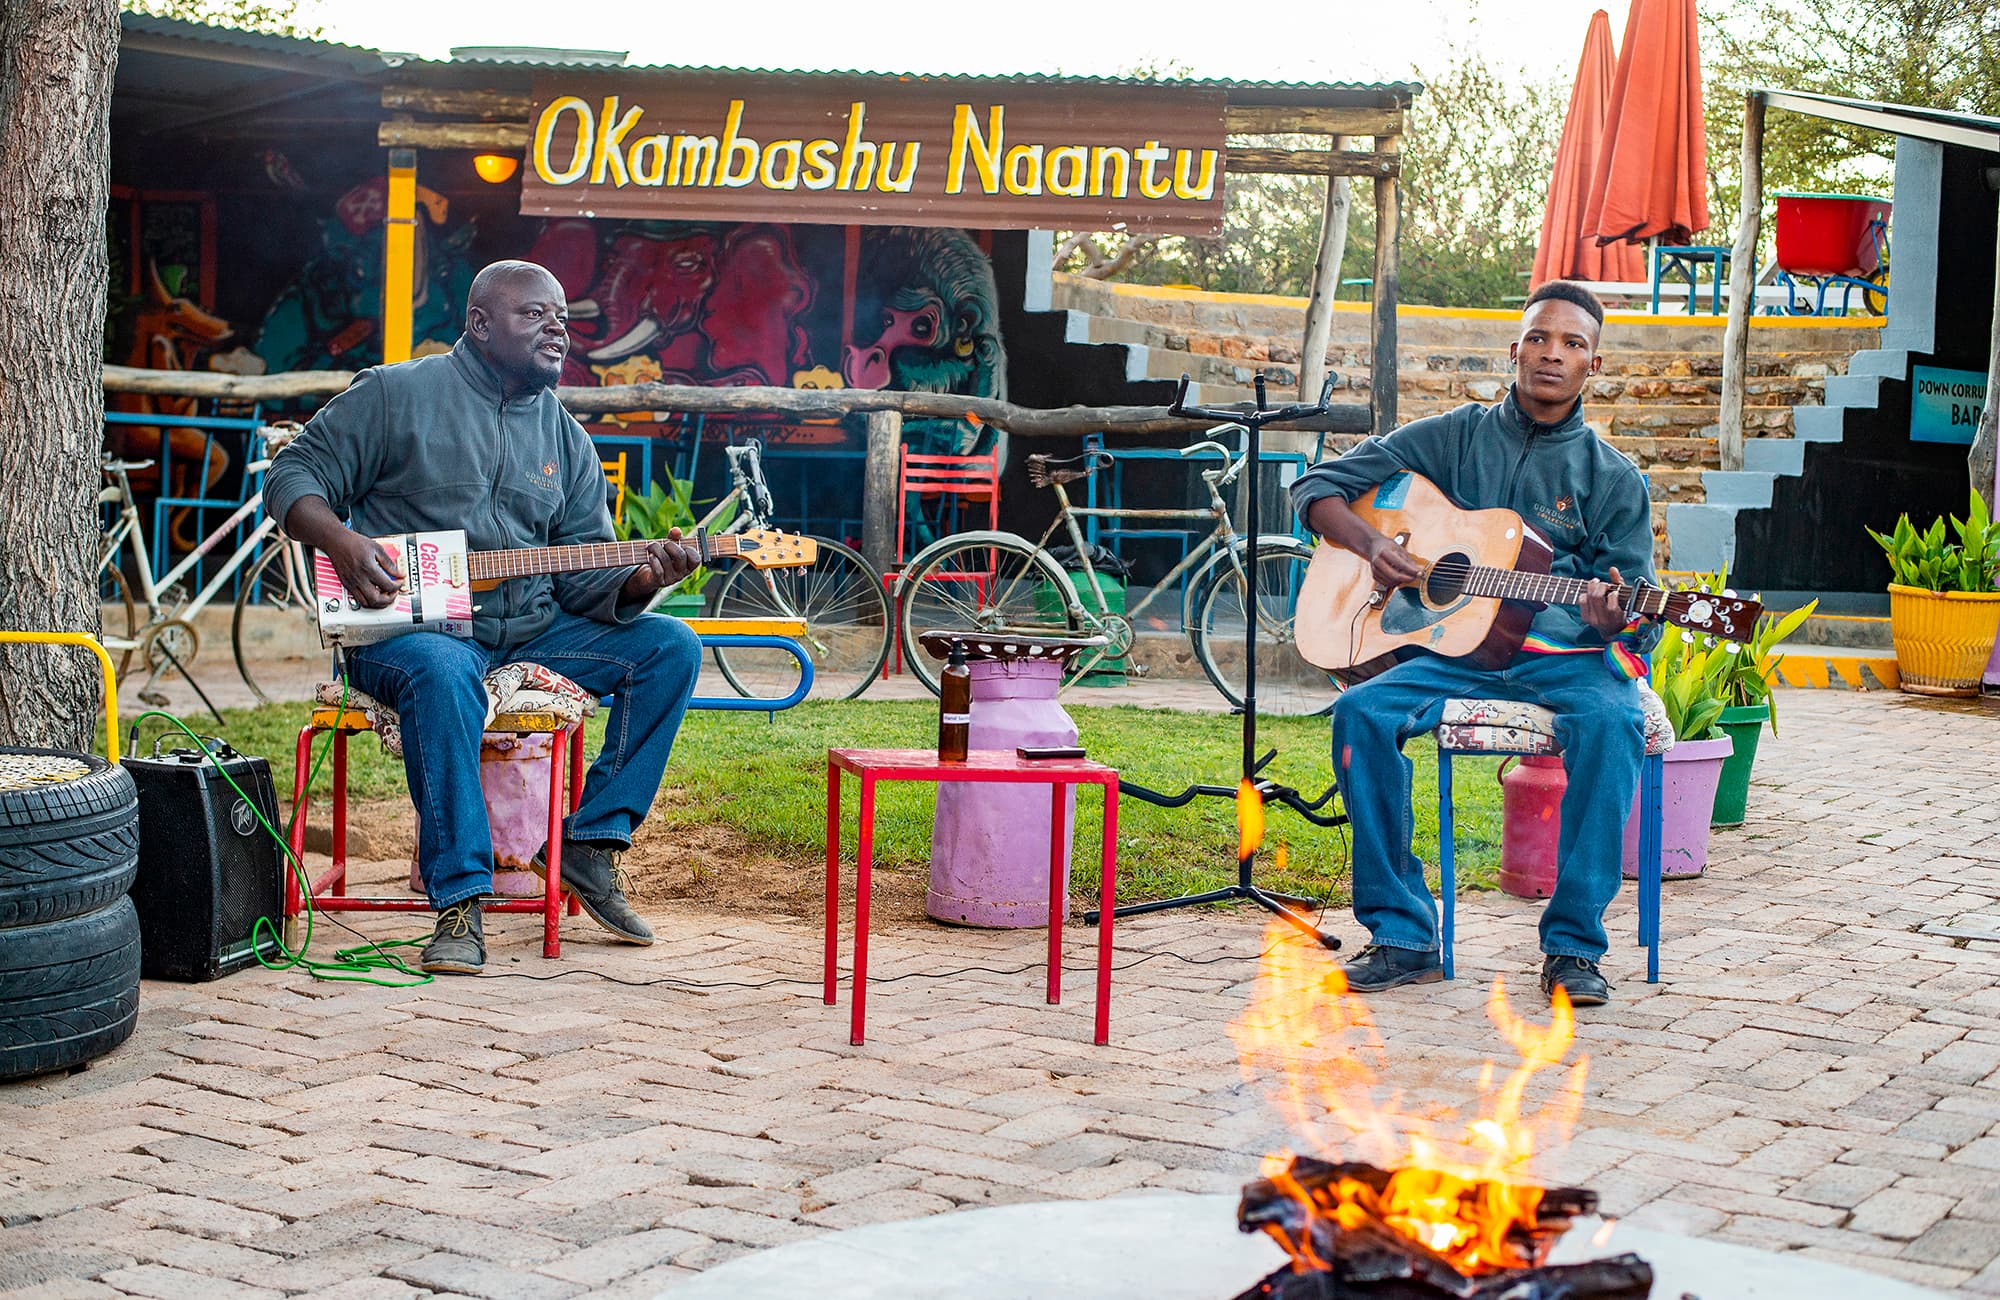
{"x": 1744, "y": 724}
{"x": 683, "y": 604}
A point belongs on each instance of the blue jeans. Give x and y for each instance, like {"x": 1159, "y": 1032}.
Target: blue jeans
{"x": 1601, "y": 727}
{"x": 435, "y": 683}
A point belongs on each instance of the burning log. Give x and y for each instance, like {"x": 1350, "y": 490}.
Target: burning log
{"x": 1347, "y": 1229}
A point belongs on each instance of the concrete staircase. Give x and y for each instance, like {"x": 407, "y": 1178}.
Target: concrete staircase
{"x": 1658, "y": 399}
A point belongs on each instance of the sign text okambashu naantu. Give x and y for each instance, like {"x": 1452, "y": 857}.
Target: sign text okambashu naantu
{"x": 877, "y": 151}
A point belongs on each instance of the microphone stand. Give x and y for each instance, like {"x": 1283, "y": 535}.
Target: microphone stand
{"x": 1289, "y": 906}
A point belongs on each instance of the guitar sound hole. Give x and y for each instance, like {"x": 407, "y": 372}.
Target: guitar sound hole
{"x": 1445, "y": 582}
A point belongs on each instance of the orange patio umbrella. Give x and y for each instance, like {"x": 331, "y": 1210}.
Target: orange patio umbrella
{"x": 1651, "y": 179}
{"x": 1568, "y": 250}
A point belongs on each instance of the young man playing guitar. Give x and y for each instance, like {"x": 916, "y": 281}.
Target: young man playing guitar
{"x": 476, "y": 440}
{"x": 1533, "y": 454}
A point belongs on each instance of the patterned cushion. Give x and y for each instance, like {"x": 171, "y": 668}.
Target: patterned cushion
{"x": 519, "y": 697}
{"x": 1511, "y": 727}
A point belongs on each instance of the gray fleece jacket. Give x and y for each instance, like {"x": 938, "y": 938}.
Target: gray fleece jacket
{"x": 1577, "y": 491}
{"x": 429, "y": 444}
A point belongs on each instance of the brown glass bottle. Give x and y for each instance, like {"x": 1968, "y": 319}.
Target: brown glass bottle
{"x": 954, "y": 706}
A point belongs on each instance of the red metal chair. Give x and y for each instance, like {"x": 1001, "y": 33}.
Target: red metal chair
{"x": 954, "y": 481}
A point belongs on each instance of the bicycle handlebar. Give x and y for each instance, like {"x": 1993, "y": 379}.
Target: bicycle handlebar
{"x": 1262, "y": 415}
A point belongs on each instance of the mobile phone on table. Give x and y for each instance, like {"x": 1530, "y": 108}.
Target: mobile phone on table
{"x": 1031, "y": 753}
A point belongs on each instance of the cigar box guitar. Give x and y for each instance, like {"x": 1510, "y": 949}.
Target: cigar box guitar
{"x": 440, "y": 575}
{"x": 1483, "y": 576}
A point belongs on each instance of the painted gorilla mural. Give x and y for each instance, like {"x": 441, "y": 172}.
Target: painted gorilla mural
{"x": 927, "y": 303}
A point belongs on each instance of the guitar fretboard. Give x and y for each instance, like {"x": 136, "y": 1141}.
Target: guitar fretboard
{"x": 491, "y": 566}
{"x": 1509, "y": 584}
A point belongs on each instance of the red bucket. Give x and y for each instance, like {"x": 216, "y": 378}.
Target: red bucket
{"x": 1830, "y": 234}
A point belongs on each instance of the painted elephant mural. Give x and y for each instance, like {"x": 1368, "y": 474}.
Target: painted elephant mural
{"x": 718, "y": 304}
{"x": 329, "y": 317}
{"x": 705, "y": 303}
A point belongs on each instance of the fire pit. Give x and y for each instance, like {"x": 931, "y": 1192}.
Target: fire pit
{"x": 1357, "y": 1231}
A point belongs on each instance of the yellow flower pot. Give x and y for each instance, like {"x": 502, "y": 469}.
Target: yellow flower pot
{"x": 1943, "y": 638}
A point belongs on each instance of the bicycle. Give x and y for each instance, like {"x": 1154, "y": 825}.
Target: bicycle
{"x": 840, "y": 596}
{"x": 989, "y": 583}
{"x": 166, "y": 638}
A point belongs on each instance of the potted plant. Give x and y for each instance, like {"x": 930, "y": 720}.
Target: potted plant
{"x": 1943, "y": 609}
{"x": 1750, "y": 670}
{"x": 656, "y": 514}
{"x": 1688, "y": 678}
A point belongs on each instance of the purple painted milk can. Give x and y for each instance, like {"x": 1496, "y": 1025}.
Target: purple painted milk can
{"x": 990, "y": 850}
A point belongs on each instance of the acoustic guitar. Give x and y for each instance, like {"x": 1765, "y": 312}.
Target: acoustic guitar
{"x": 1484, "y": 575}
{"x": 440, "y": 575}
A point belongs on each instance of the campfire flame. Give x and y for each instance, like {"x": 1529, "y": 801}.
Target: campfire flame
{"x": 1462, "y": 1184}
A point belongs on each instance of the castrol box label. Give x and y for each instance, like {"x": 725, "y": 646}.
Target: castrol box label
{"x": 436, "y": 595}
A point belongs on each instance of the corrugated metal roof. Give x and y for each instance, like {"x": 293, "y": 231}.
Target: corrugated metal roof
{"x": 1403, "y": 90}
{"x": 348, "y": 58}
{"x": 157, "y": 34}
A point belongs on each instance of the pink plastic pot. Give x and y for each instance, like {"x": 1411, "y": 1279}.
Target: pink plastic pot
{"x": 1687, "y": 806}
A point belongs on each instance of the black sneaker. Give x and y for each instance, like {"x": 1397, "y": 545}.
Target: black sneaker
{"x": 458, "y": 945}
{"x": 1578, "y": 977}
{"x": 1375, "y": 968}
{"x": 598, "y": 881}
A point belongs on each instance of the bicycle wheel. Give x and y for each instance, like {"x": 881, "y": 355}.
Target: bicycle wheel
{"x": 274, "y": 616}
{"x": 123, "y": 638}
{"x": 981, "y": 583}
{"x": 841, "y": 598}
{"x": 1286, "y": 684}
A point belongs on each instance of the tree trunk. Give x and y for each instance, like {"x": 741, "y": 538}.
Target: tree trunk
{"x": 56, "y": 63}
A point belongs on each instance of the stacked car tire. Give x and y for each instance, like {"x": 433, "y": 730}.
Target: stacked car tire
{"x": 69, "y": 937}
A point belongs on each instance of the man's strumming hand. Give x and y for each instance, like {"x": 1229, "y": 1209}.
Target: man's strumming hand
{"x": 367, "y": 571}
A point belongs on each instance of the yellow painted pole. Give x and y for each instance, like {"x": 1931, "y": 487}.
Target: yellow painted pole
{"x": 89, "y": 643}
{"x": 399, "y": 254}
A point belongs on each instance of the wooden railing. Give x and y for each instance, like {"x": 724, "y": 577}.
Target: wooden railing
{"x": 882, "y": 412}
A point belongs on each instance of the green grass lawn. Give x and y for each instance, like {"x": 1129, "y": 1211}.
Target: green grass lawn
{"x": 766, "y": 779}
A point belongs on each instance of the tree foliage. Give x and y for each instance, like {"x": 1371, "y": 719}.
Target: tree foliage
{"x": 1476, "y": 164}
{"x": 277, "y": 17}
{"x": 1937, "y": 53}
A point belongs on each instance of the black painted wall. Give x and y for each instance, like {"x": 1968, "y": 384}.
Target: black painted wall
{"x": 1811, "y": 538}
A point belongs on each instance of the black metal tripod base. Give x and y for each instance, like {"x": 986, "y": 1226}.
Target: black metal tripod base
{"x": 1277, "y": 904}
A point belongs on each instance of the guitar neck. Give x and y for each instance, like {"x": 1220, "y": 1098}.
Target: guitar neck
{"x": 1511, "y": 584}
{"x": 492, "y": 566}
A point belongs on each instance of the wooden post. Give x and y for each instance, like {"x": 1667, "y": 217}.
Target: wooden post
{"x": 399, "y": 254}
{"x": 1742, "y": 285}
{"x": 1979, "y": 458}
{"x": 1382, "y": 319}
{"x": 1326, "y": 283}
{"x": 878, "y": 499}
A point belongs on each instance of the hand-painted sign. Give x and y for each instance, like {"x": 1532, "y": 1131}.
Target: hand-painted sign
{"x": 873, "y": 151}
{"x": 1945, "y": 404}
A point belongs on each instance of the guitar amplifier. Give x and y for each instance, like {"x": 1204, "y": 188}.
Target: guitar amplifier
{"x": 207, "y": 870}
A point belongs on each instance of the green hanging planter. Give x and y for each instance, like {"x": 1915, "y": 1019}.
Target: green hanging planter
{"x": 1744, "y": 724}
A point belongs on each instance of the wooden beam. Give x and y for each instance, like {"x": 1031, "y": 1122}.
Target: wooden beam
{"x": 1325, "y": 285}
{"x": 1311, "y": 162}
{"x": 1382, "y": 378}
{"x": 787, "y": 403}
{"x": 1742, "y": 287}
{"x": 399, "y": 253}
{"x": 452, "y": 101}
{"x": 1300, "y": 119}
{"x": 878, "y": 488}
{"x": 501, "y": 137}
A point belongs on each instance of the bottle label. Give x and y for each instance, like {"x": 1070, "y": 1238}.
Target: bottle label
{"x": 956, "y": 719}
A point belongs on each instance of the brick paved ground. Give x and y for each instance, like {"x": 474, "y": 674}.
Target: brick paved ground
{"x": 1820, "y": 1072}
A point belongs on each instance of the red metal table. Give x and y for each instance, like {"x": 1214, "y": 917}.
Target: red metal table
{"x": 983, "y": 765}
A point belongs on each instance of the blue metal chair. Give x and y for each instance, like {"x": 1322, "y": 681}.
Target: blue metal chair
{"x": 1499, "y": 727}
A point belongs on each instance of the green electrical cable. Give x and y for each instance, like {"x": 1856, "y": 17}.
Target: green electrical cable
{"x": 366, "y": 963}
